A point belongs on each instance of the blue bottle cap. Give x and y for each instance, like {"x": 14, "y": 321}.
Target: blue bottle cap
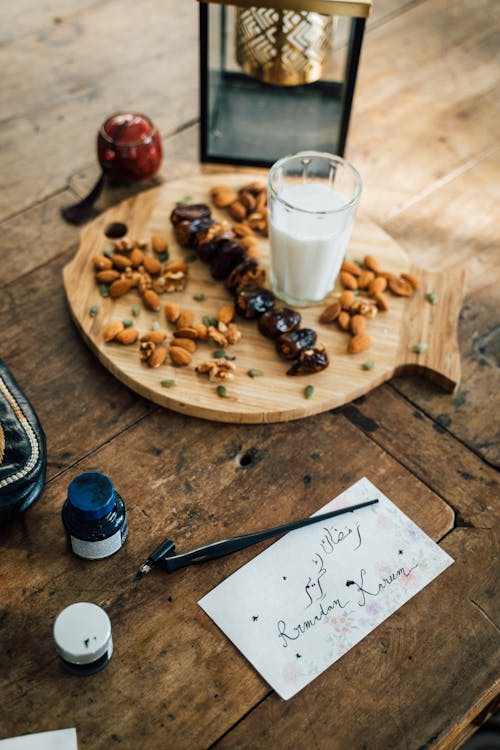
{"x": 92, "y": 494}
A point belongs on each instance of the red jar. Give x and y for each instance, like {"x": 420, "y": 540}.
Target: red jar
{"x": 129, "y": 147}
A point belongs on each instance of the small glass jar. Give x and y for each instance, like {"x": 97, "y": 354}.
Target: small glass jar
{"x": 94, "y": 517}
{"x": 129, "y": 147}
{"x": 82, "y": 634}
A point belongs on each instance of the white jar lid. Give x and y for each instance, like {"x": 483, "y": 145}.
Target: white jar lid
{"x": 82, "y": 633}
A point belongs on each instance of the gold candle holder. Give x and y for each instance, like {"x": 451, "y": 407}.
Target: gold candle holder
{"x": 283, "y": 47}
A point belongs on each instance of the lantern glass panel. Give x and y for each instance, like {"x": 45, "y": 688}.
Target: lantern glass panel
{"x": 275, "y": 83}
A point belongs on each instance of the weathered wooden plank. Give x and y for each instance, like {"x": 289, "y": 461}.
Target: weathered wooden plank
{"x": 472, "y": 414}
{"x": 426, "y": 449}
{"x": 25, "y": 16}
{"x": 35, "y": 236}
{"x": 415, "y": 682}
{"x": 79, "y": 404}
{"x": 109, "y": 56}
{"x": 173, "y": 673}
{"x": 425, "y": 100}
{"x": 455, "y": 223}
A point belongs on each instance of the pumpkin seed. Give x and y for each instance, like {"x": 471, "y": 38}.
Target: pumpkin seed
{"x": 419, "y": 348}
{"x": 254, "y": 373}
{"x": 136, "y": 311}
{"x": 221, "y": 391}
{"x": 93, "y": 311}
{"x": 369, "y": 365}
{"x": 167, "y": 383}
{"x": 199, "y": 297}
{"x": 431, "y": 297}
{"x": 104, "y": 291}
{"x": 308, "y": 391}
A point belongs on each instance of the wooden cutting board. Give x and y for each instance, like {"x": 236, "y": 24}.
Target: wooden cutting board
{"x": 274, "y": 396}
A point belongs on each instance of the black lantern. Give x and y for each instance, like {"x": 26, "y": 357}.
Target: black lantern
{"x": 277, "y": 77}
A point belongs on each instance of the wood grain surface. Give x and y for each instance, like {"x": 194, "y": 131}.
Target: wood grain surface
{"x": 272, "y": 397}
{"x": 424, "y": 139}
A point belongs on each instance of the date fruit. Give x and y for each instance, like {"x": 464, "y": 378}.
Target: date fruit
{"x": 276, "y": 322}
{"x": 252, "y": 303}
{"x": 290, "y": 345}
{"x": 310, "y": 361}
{"x": 230, "y": 254}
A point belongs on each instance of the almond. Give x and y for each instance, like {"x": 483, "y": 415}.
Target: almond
{"x": 238, "y": 211}
{"x": 346, "y": 299}
{"x": 348, "y": 280}
{"x": 172, "y": 312}
{"x": 101, "y": 263}
{"x": 400, "y": 287}
{"x": 331, "y": 312}
{"x": 190, "y": 332}
{"x": 158, "y": 356}
{"x": 382, "y": 301}
{"x": 159, "y": 243}
{"x": 136, "y": 257}
{"x": 112, "y": 330}
{"x": 377, "y": 286}
{"x": 201, "y": 331}
{"x": 412, "y": 279}
{"x": 358, "y": 324}
{"x": 359, "y": 343}
{"x": 151, "y": 300}
{"x": 386, "y": 274}
{"x": 248, "y": 200}
{"x": 365, "y": 279}
{"x": 151, "y": 265}
{"x": 261, "y": 200}
{"x": 120, "y": 287}
{"x": 127, "y": 336}
{"x": 223, "y": 196}
{"x": 120, "y": 261}
{"x": 188, "y": 344}
{"x": 253, "y": 250}
{"x": 254, "y": 187}
{"x": 157, "y": 337}
{"x": 185, "y": 319}
{"x": 351, "y": 267}
{"x": 226, "y": 314}
{"x": 344, "y": 320}
{"x": 371, "y": 263}
{"x": 180, "y": 356}
{"x": 107, "y": 277}
{"x": 242, "y": 230}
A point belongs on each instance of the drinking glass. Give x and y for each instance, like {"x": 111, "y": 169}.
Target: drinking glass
{"x": 312, "y": 203}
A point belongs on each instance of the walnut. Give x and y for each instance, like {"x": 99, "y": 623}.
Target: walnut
{"x": 144, "y": 282}
{"x": 217, "y": 369}
{"x": 123, "y": 244}
{"x": 146, "y": 349}
{"x": 206, "y": 234}
{"x": 175, "y": 281}
{"x": 217, "y": 336}
{"x": 365, "y": 307}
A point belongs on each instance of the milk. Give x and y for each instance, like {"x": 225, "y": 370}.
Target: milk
{"x": 307, "y": 249}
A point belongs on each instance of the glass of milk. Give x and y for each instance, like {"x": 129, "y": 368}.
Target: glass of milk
{"x": 312, "y": 202}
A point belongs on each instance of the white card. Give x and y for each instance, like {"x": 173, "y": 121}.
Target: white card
{"x": 311, "y": 596}
{"x": 58, "y": 739}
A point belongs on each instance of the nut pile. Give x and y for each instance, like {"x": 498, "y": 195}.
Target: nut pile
{"x": 246, "y": 206}
{"x": 154, "y": 350}
{"x": 128, "y": 266}
{"x": 351, "y": 311}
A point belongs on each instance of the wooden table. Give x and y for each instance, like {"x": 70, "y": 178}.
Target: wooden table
{"x": 423, "y": 136}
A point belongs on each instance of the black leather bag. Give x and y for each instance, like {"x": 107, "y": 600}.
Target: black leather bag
{"x": 23, "y": 452}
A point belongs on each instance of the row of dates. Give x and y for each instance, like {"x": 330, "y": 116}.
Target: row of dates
{"x": 216, "y": 245}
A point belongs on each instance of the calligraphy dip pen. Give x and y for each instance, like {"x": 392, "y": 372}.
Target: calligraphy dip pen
{"x": 165, "y": 554}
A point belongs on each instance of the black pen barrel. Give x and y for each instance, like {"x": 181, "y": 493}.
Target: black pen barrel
{"x": 234, "y": 544}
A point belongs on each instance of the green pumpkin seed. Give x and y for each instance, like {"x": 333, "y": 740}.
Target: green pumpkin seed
{"x": 308, "y": 391}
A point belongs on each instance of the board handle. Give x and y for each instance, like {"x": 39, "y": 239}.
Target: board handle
{"x": 429, "y": 334}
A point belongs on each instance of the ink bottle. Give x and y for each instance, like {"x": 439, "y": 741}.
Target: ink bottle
{"x": 94, "y": 516}
{"x": 82, "y": 634}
